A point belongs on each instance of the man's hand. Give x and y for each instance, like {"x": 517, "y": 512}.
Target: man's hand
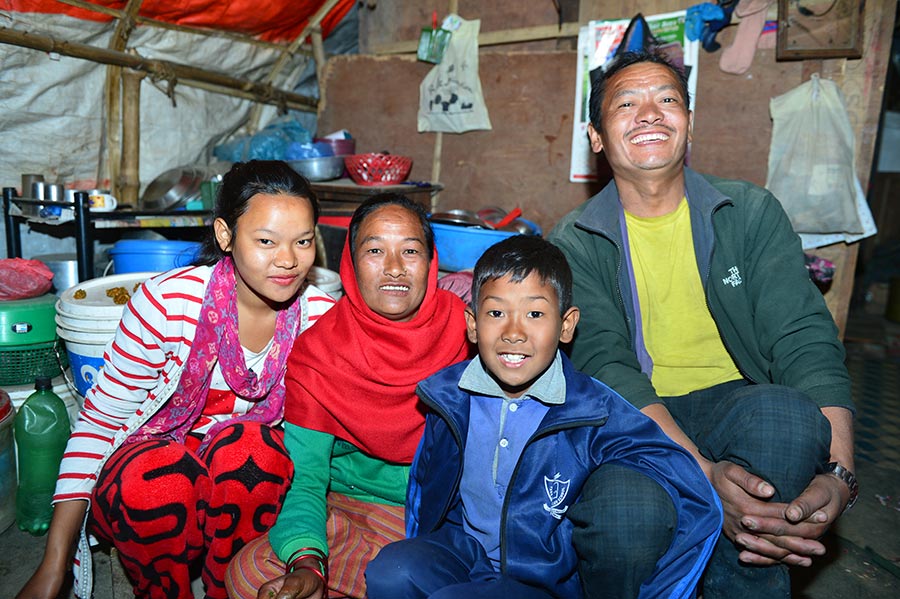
{"x": 772, "y": 532}
{"x": 299, "y": 584}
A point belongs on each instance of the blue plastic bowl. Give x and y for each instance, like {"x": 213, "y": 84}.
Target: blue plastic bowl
{"x": 460, "y": 247}
{"x": 152, "y": 255}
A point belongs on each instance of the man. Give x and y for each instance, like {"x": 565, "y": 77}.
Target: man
{"x": 697, "y": 308}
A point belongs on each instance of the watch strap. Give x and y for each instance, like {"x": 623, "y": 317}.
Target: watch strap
{"x": 835, "y": 469}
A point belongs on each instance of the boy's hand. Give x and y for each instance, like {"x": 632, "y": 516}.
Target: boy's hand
{"x": 300, "y": 584}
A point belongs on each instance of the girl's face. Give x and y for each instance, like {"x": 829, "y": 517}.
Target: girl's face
{"x": 272, "y": 246}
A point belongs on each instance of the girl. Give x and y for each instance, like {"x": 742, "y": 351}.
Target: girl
{"x": 174, "y": 459}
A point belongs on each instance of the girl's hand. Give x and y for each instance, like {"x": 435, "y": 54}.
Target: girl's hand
{"x": 48, "y": 579}
{"x": 300, "y": 584}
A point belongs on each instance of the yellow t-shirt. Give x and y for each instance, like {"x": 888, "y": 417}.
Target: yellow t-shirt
{"x": 679, "y": 332}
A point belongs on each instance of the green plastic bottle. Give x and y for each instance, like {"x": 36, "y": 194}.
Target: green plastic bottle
{"x": 42, "y": 430}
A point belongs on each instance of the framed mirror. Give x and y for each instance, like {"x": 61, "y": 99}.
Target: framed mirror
{"x": 817, "y": 29}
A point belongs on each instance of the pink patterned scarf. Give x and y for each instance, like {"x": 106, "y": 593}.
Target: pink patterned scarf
{"x": 216, "y": 339}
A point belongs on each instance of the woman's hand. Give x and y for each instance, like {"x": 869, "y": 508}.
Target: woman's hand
{"x": 48, "y": 579}
{"x": 299, "y": 584}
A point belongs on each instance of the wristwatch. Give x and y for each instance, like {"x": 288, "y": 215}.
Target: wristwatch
{"x": 845, "y": 475}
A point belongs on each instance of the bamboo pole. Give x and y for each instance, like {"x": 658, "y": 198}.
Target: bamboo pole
{"x": 439, "y": 137}
{"x": 130, "y": 182}
{"x": 163, "y": 69}
{"x": 493, "y": 38}
{"x": 111, "y": 158}
{"x": 318, "y": 53}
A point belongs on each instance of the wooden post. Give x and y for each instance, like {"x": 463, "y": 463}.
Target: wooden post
{"x": 129, "y": 173}
{"x": 319, "y": 56}
{"x": 453, "y": 8}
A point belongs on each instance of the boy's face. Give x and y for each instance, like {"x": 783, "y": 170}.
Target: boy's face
{"x": 517, "y": 328}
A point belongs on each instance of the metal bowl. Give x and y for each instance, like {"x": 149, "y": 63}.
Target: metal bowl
{"x": 173, "y": 188}
{"x": 323, "y": 168}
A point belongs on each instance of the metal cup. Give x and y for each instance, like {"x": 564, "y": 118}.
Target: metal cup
{"x": 27, "y": 180}
{"x": 54, "y": 192}
{"x": 37, "y": 190}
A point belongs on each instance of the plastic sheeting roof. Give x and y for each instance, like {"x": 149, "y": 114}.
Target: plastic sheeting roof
{"x": 271, "y": 20}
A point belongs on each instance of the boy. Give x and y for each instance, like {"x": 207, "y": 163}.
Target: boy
{"x": 508, "y": 443}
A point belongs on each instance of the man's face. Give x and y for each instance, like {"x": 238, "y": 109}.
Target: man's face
{"x": 517, "y": 327}
{"x": 645, "y": 122}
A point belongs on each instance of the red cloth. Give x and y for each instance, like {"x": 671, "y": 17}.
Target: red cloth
{"x": 354, "y": 374}
{"x": 275, "y": 20}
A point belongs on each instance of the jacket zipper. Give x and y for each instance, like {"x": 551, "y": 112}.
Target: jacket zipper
{"x": 706, "y": 284}
{"x": 537, "y": 435}
{"x": 451, "y": 424}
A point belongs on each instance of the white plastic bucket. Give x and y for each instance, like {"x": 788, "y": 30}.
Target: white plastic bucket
{"x": 85, "y": 356}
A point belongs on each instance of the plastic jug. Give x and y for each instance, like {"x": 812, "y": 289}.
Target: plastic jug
{"x": 42, "y": 430}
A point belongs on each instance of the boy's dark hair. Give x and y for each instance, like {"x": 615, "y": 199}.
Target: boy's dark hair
{"x": 389, "y": 198}
{"x": 600, "y": 77}
{"x": 519, "y": 256}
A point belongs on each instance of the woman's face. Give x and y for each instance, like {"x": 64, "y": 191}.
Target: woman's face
{"x": 391, "y": 261}
{"x": 272, "y": 246}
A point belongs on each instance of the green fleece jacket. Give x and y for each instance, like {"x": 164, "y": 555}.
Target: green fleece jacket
{"x": 771, "y": 317}
{"x": 323, "y": 463}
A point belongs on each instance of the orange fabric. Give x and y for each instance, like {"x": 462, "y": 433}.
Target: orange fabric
{"x": 356, "y": 530}
{"x": 274, "y": 21}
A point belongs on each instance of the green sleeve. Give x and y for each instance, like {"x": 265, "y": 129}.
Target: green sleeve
{"x": 301, "y": 522}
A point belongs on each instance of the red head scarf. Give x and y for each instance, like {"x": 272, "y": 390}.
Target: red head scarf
{"x": 354, "y": 373}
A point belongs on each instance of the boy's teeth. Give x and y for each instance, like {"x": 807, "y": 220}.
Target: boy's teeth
{"x": 512, "y": 357}
{"x": 395, "y": 287}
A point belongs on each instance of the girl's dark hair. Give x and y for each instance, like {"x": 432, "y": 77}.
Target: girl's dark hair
{"x": 517, "y": 257}
{"x": 390, "y": 199}
{"x": 600, "y": 77}
{"x": 242, "y": 182}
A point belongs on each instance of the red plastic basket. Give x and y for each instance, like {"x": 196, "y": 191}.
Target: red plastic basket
{"x": 378, "y": 169}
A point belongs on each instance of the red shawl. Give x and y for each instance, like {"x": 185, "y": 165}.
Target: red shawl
{"x": 354, "y": 374}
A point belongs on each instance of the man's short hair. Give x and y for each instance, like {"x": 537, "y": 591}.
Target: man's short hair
{"x": 517, "y": 257}
{"x": 600, "y": 77}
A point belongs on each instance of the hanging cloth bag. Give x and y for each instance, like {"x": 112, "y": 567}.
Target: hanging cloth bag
{"x": 450, "y": 98}
{"x": 811, "y": 159}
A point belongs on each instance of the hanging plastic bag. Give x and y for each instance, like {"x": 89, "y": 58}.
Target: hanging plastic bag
{"x": 450, "y": 98}
{"x": 811, "y": 159}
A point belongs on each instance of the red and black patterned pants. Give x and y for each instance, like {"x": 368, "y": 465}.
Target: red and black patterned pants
{"x": 172, "y": 513}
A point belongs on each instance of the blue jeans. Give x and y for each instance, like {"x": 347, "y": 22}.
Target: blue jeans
{"x": 445, "y": 564}
{"x": 773, "y": 431}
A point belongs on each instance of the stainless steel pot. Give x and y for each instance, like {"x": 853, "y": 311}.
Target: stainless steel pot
{"x": 64, "y": 268}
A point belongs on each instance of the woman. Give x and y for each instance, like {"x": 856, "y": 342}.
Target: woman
{"x": 174, "y": 459}
{"x": 353, "y": 420}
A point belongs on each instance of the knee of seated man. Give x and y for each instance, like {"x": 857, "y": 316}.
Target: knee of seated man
{"x": 623, "y": 514}
{"x": 782, "y": 420}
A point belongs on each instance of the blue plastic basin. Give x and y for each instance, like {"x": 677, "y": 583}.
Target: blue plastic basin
{"x": 152, "y": 255}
